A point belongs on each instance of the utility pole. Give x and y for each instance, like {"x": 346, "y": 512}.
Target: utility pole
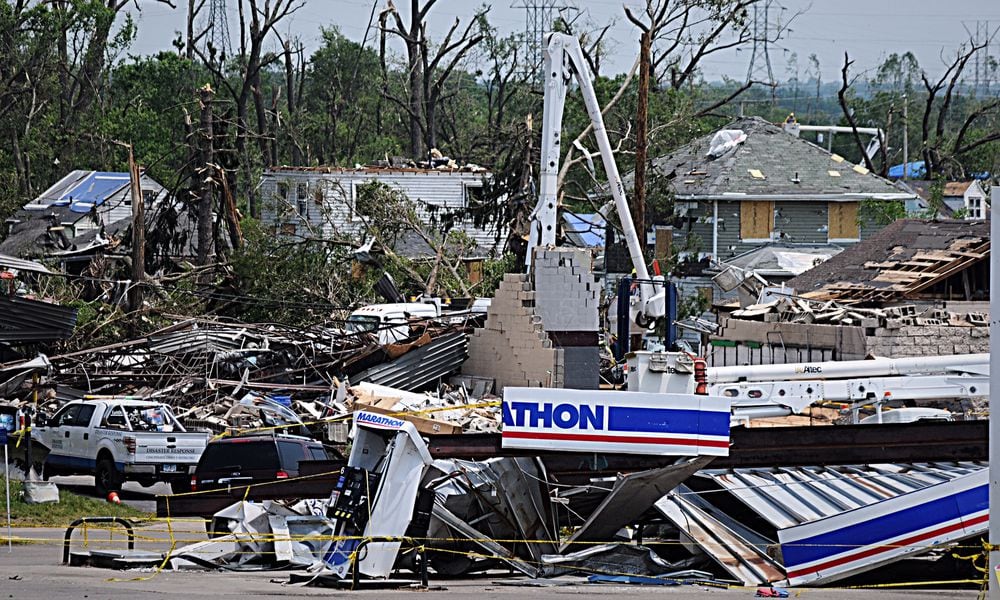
{"x": 906, "y": 139}
{"x": 641, "y": 132}
{"x": 138, "y": 234}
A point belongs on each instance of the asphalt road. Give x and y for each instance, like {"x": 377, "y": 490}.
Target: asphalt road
{"x": 33, "y": 571}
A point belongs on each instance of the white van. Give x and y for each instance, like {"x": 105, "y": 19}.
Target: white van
{"x": 390, "y": 321}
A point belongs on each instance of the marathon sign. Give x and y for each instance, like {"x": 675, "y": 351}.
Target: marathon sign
{"x": 367, "y": 419}
{"x": 615, "y": 422}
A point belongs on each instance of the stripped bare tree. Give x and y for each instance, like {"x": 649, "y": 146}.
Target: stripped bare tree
{"x": 428, "y": 68}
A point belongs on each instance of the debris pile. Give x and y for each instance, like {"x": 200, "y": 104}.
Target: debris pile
{"x": 790, "y": 309}
{"x": 220, "y": 375}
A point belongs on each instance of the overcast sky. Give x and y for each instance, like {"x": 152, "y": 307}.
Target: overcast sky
{"x": 867, "y": 29}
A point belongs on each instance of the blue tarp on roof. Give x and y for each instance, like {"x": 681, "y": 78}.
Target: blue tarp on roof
{"x": 587, "y": 228}
{"x": 92, "y": 190}
{"x": 916, "y": 170}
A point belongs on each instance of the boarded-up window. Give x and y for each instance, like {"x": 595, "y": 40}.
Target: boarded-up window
{"x": 843, "y": 221}
{"x": 475, "y": 269}
{"x": 756, "y": 220}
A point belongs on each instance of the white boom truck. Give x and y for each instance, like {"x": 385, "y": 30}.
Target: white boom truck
{"x": 120, "y": 439}
{"x": 562, "y": 59}
{"x": 756, "y": 392}
{"x": 780, "y": 390}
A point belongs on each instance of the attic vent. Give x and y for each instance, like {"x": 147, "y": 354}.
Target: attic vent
{"x": 833, "y": 173}
{"x": 756, "y": 174}
{"x": 836, "y": 158}
{"x": 860, "y": 169}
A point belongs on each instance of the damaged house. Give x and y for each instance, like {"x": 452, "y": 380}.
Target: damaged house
{"x": 916, "y": 288}
{"x": 80, "y": 214}
{"x": 322, "y": 201}
{"x": 765, "y": 185}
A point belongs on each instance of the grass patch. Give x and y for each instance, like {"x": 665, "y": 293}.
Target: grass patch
{"x": 70, "y": 507}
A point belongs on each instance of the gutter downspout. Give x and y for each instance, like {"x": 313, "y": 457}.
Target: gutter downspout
{"x": 715, "y": 230}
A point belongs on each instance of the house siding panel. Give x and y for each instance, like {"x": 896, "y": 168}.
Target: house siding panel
{"x": 797, "y": 222}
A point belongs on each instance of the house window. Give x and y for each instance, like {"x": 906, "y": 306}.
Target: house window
{"x": 302, "y": 199}
{"x": 756, "y": 220}
{"x": 281, "y": 190}
{"x": 288, "y": 229}
{"x": 843, "y": 222}
{"x": 974, "y": 210}
{"x": 472, "y": 194}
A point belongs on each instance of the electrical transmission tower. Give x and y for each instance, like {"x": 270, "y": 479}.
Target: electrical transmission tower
{"x": 218, "y": 30}
{"x": 538, "y": 18}
{"x": 983, "y": 69}
{"x": 760, "y": 58}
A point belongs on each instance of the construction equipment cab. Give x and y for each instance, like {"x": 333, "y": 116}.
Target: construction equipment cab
{"x": 391, "y": 322}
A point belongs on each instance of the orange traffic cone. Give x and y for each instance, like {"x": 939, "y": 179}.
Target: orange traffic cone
{"x": 113, "y": 498}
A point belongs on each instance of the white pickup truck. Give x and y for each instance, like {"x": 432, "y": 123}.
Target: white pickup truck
{"x": 120, "y": 439}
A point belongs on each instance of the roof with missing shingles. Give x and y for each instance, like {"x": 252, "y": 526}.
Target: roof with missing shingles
{"x": 788, "y": 166}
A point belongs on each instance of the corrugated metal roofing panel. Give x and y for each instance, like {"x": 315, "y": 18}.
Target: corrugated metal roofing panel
{"x": 421, "y": 366}
{"x": 24, "y": 320}
{"x": 791, "y": 496}
{"x": 20, "y": 264}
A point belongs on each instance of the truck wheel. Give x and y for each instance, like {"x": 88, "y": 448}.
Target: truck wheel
{"x": 107, "y": 478}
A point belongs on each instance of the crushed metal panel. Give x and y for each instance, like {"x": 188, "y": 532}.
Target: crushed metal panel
{"x": 631, "y": 496}
{"x": 620, "y": 422}
{"x": 739, "y": 557}
{"x": 519, "y": 481}
{"x": 610, "y": 558}
{"x": 421, "y": 366}
{"x": 791, "y": 496}
{"x": 25, "y": 320}
{"x": 863, "y": 539}
{"x": 494, "y": 549}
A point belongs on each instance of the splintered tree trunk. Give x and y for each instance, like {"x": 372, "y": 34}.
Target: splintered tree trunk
{"x": 138, "y": 233}
{"x": 206, "y": 178}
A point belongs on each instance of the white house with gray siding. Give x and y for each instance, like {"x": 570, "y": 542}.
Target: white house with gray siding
{"x": 320, "y": 201}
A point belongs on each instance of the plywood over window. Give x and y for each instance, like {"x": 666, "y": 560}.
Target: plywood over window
{"x": 843, "y": 223}
{"x": 756, "y": 219}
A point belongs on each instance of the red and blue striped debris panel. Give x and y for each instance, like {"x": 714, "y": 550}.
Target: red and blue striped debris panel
{"x": 615, "y": 422}
{"x": 862, "y": 539}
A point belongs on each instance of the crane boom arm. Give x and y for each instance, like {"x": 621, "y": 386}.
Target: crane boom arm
{"x": 562, "y": 59}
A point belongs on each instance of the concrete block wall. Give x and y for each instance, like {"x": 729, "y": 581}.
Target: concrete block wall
{"x": 515, "y": 346}
{"x": 512, "y": 347}
{"x": 566, "y": 295}
{"x": 777, "y": 343}
{"x": 928, "y": 340}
